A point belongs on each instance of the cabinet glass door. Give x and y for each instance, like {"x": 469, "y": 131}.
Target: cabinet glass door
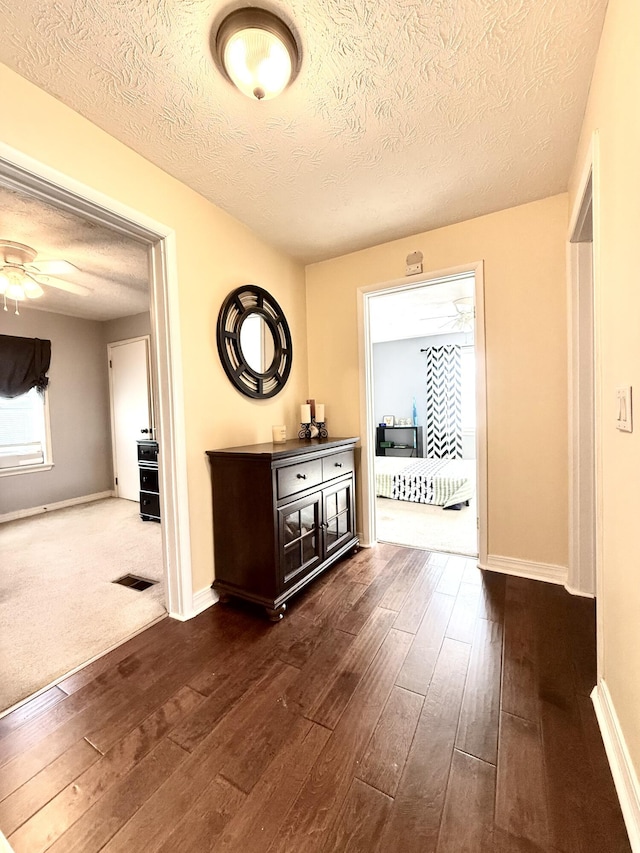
{"x": 299, "y": 537}
{"x": 338, "y": 515}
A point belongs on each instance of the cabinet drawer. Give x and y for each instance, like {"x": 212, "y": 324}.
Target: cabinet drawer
{"x": 337, "y": 465}
{"x": 150, "y": 504}
{"x": 147, "y": 452}
{"x": 296, "y": 478}
{"x": 149, "y": 480}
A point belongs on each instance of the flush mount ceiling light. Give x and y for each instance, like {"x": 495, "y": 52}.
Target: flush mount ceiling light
{"x": 257, "y": 52}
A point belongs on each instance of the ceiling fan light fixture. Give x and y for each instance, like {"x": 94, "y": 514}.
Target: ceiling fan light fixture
{"x": 257, "y": 52}
{"x": 16, "y": 284}
{"x": 464, "y": 305}
{"x": 32, "y": 289}
{"x": 16, "y": 291}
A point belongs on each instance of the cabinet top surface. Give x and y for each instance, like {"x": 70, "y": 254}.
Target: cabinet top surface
{"x": 293, "y": 447}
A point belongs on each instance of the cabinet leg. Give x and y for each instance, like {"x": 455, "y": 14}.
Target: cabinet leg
{"x": 224, "y": 597}
{"x": 276, "y": 614}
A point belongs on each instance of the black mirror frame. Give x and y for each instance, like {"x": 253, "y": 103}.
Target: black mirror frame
{"x": 245, "y": 300}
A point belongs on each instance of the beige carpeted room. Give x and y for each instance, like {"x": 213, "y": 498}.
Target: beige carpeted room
{"x": 70, "y": 476}
{"x": 59, "y": 605}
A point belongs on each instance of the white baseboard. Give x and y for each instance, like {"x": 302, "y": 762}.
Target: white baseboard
{"x": 37, "y": 510}
{"x": 622, "y": 769}
{"x": 525, "y": 569}
{"x": 202, "y": 599}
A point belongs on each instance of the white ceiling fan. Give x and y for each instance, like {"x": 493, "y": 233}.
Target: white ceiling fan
{"x": 462, "y": 320}
{"x": 21, "y": 278}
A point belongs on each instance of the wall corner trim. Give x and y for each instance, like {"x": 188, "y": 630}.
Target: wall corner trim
{"x": 525, "y": 569}
{"x": 579, "y": 592}
{"x": 622, "y": 769}
{"x": 202, "y": 599}
{"x": 37, "y": 510}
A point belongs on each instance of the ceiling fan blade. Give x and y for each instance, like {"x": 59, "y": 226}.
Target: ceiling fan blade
{"x": 61, "y": 284}
{"x": 53, "y": 266}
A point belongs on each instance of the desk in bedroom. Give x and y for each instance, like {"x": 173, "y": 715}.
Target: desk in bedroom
{"x": 405, "y": 438}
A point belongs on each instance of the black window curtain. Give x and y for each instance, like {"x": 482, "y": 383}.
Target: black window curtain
{"x": 24, "y": 363}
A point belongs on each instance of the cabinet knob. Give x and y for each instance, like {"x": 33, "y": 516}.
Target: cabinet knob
{"x": 301, "y": 476}
{"x": 338, "y": 464}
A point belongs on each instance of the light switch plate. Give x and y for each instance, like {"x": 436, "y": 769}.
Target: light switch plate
{"x": 625, "y": 416}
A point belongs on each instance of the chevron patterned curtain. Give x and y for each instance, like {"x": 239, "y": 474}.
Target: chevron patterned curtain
{"x": 443, "y": 433}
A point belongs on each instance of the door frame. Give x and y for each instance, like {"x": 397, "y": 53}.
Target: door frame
{"x": 25, "y": 174}
{"x": 584, "y": 575}
{"x": 367, "y": 420}
{"x": 110, "y": 347}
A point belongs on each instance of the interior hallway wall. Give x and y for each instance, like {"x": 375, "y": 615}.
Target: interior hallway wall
{"x": 215, "y": 254}
{"x": 523, "y": 250}
{"x": 612, "y": 110}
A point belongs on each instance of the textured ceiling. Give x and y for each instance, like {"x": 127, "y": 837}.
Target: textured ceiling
{"x": 406, "y": 115}
{"x": 114, "y": 268}
{"x": 418, "y": 311}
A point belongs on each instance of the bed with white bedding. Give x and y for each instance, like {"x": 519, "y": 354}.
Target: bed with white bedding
{"x": 443, "y": 482}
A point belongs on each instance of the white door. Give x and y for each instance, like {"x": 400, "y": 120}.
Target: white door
{"x": 130, "y": 411}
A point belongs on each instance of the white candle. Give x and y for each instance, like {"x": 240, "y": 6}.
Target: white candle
{"x": 305, "y": 413}
{"x": 320, "y": 412}
{"x": 279, "y": 434}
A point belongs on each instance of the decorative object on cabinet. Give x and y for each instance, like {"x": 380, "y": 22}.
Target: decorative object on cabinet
{"x": 388, "y": 420}
{"x": 312, "y": 422}
{"x": 254, "y": 342}
{"x": 282, "y": 514}
{"x": 279, "y": 434}
{"x": 404, "y": 438}
{"x": 149, "y": 483}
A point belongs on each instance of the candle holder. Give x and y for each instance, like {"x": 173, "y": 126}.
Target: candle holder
{"x": 313, "y": 429}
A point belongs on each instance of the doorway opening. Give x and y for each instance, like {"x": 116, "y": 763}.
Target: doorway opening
{"x": 20, "y": 176}
{"x": 426, "y": 461}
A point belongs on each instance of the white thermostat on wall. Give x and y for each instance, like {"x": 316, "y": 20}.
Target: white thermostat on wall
{"x": 625, "y": 419}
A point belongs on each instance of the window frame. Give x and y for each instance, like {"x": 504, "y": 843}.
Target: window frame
{"x": 48, "y": 462}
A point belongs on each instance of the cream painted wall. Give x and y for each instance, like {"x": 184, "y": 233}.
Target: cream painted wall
{"x": 215, "y": 253}
{"x": 613, "y": 111}
{"x": 523, "y": 250}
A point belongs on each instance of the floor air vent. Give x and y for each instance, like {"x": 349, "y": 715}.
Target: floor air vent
{"x": 134, "y": 582}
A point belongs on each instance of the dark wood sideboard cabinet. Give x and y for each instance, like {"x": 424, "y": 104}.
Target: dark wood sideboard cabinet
{"x": 282, "y": 514}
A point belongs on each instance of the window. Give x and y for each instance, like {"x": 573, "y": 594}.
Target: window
{"x": 23, "y": 431}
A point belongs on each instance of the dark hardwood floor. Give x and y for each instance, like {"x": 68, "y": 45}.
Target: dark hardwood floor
{"x": 408, "y": 702}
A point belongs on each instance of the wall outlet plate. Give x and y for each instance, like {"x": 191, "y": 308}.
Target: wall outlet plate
{"x": 624, "y": 420}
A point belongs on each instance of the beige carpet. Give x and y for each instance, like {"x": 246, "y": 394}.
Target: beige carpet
{"x": 425, "y": 526}
{"x": 58, "y": 607}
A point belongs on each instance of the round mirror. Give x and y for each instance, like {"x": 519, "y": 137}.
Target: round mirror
{"x": 254, "y": 342}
